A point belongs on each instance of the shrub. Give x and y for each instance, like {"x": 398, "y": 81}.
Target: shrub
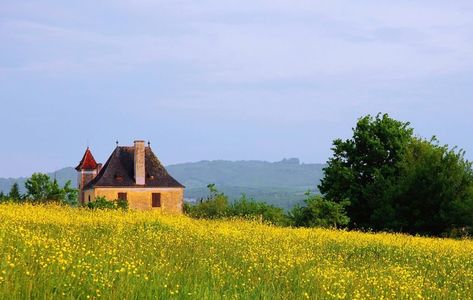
{"x": 250, "y": 208}
{"x": 217, "y": 205}
{"x": 103, "y": 203}
{"x": 319, "y": 212}
{"x": 214, "y": 206}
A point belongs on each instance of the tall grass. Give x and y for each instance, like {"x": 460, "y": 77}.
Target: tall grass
{"x": 70, "y": 253}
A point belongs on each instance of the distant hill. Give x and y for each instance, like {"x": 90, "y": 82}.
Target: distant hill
{"x": 281, "y": 183}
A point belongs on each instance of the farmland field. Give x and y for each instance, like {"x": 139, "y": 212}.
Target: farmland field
{"x": 62, "y": 252}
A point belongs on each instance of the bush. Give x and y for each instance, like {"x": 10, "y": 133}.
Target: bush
{"x": 459, "y": 233}
{"x": 319, "y": 212}
{"x": 217, "y": 205}
{"x": 103, "y": 203}
{"x": 213, "y": 207}
{"x": 250, "y": 208}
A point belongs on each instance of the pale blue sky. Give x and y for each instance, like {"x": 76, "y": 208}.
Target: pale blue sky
{"x": 233, "y": 80}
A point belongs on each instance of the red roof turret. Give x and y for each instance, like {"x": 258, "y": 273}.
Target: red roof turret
{"x": 88, "y": 161}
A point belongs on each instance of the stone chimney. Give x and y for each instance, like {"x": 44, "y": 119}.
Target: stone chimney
{"x": 140, "y": 162}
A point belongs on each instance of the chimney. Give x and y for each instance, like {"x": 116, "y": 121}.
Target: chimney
{"x": 140, "y": 162}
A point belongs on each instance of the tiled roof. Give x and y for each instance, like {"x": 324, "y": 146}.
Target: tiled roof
{"x": 88, "y": 161}
{"x": 119, "y": 171}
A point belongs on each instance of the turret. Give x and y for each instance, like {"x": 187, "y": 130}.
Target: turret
{"x": 87, "y": 169}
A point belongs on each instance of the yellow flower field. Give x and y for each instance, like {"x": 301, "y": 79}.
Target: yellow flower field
{"x": 62, "y": 252}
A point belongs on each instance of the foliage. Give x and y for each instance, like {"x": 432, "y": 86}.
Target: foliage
{"x": 59, "y": 252}
{"x": 249, "y": 208}
{"x": 320, "y": 212}
{"x": 70, "y": 193}
{"x": 15, "y": 194}
{"x": 54, "y": 191}
{"x": 217, "y": 205}
{"x": 395, "y": 181}
{"x": 364, "y": 167}
{"x": 40, "y": 188}
{"x": 435, "y": 191}
{"x": 103, "y": 203}
{"x": 62, "y": 176}
{"x": 213, "y": 207}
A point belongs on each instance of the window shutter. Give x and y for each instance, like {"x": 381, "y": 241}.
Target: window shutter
{"x": 156, "y": 200}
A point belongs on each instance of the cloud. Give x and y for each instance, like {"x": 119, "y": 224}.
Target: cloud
{"x": 258, "y": 40}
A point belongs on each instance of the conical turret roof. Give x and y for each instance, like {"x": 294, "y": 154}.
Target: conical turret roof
{"x": 88, "y": 161}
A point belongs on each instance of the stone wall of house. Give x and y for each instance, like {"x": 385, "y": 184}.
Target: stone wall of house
{"x": 84, "y": 177}
{"x": 172, "y": 199}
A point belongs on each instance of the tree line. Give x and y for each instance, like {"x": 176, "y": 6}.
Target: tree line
{"x": 316, "y": 211}
{"x": 40, "y": 188}
{"x": 383, "y": 178}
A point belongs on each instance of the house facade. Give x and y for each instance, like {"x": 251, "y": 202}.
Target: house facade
{"x": 132, "y": 173}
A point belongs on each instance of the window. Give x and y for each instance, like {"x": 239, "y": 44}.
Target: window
{"x": 122, "y": 196}
{"x": 89, "y": 198}
{"x": 156, "y": 200}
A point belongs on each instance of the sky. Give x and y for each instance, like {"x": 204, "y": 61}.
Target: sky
{"x": 234, "y": 80}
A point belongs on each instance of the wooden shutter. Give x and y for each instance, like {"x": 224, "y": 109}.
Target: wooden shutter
{"x": 156, "y": 200}
{"x": 122, "y": 196}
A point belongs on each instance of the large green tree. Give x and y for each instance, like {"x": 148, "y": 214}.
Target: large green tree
{"x": 364, "y": 168}
{"x": 396, "y": 181}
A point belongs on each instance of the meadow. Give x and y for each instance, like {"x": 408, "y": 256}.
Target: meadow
{"x": 69, "y": 253}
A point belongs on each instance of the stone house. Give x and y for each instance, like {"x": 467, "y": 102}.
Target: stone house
{"x": 133, "y": 174}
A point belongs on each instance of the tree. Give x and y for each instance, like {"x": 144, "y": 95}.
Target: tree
{"x": 70, "y": 194}
{"x": 15, "y": 194}
{"x": 364, "y": 168}
{"x": 395, "y": 181}
{"x": 320, "y": 212}
{"x": 54, "y": 191}
{"x": 38, "y": 187}
{"x": 435, "y": 193}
